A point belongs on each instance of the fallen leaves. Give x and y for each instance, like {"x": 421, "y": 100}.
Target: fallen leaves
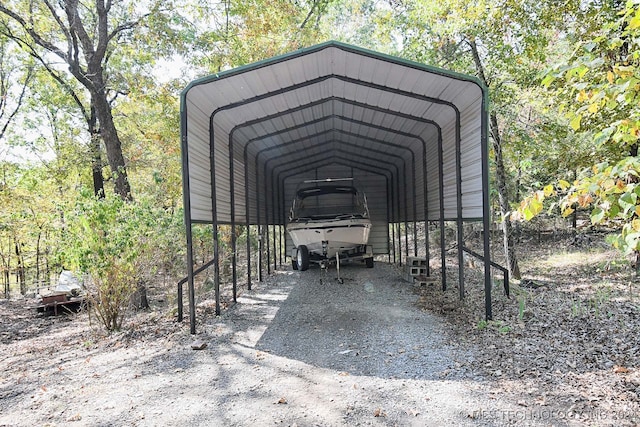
{"x": 570, "y": 330}
{"x": 76, "y": 417}
{"x": 378, "y": 412}
{"x": 198, "y": 345}
{"x": 620, "y": 370}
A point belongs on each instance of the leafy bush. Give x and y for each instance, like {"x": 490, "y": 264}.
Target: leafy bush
{"x": 119, "y": 245}
{"x": 611, "y": 191}
{"x": 600, "y": 89}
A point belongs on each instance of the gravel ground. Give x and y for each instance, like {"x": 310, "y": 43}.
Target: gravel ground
{"x": 300, "y": 349}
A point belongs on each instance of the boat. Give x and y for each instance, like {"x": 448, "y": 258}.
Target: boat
{"x": 329, "y": 221}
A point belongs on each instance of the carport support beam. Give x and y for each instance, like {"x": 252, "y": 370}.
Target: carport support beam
{"x": 406, "y": 237}
{"x": 486, "y": 209}
{"x": 247, "y": 219}
{"x": 459, "y": 222}
{"x": 266, "y": 225}
{"x": 186, "y": 194}
{"x": 234, "y": 246}
{"x": 214, "y": 218}
{"x": 260, "y": 245}
{"x": 281, "y": 219}
{"x": 443, "y": 252}
{"x": 389, "y": 210}
{"x": 425, "y": 192}
{"x": 393, "y": 239}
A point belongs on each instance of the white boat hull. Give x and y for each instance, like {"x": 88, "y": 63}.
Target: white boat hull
{"x": 328, "y": 237}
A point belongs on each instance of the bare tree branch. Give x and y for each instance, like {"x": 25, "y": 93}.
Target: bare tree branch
{"x": 103, "y": 30}
{"x": 126, "y": 26}
{"x": 67, "y": 87}
{"x": 4, "y": 95}
{"x": 37, "y": 38}
{"x": 61, "y": 25}
{"x": 309, "y": 15}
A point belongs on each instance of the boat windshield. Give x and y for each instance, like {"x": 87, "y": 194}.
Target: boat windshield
{"x": 329, "y": 201}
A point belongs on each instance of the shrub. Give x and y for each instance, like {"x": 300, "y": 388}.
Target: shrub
{"x": 116, "y": 243}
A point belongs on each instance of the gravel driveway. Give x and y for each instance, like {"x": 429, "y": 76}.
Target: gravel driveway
{"x": 303, "y": 349}
{"x": 300, "y": 349}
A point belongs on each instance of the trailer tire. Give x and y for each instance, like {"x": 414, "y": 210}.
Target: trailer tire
{"x": 369, "y": 262}
{"x": 302, "y": 258}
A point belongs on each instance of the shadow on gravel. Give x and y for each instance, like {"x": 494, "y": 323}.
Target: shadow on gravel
{"x": 368, "y": 325}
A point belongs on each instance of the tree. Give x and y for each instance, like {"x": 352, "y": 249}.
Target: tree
{"x": 55, "y": 102}
{"x": 150, "y": 124}
{"x": 14, "y": 82}
{"x": 499, "y": 42}
{"x": 105, "y": 240}
{"x": 598, "y": 85}
{"x": 598, "y": 89}
{"x": 84, "y": 38}
{"x": 239, "y": 33}
{"x": 27, "y": 218}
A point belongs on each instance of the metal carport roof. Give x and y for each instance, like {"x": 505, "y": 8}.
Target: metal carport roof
{"x": 423, "y": 128}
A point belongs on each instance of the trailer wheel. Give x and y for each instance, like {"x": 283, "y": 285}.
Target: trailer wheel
{"x": 369, "y": 262}
{"x": 302, "y": 258}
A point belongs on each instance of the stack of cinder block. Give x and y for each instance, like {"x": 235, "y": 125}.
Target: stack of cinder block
{"x": 416, "y": 271}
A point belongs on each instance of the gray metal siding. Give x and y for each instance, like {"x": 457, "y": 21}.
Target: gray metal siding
{"x": 297, "y": 97}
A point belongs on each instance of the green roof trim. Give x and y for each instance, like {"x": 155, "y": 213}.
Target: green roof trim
{"x": 342, "y": 46}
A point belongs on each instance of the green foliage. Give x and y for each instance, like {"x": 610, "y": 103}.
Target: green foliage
{"x": 610, "y": 191}
{"x": 521, "y": 307}
{"x": 102, "y": 241}
{"x": 493, "y": 325}
{"x": 118, "y": 244}
{"x": 600, "y": 85}
{"x": 231, "y": 34}
{"x": 599, "y": 93}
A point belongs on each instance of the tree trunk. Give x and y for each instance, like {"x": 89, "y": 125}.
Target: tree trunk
{"x": 4, "y": 267}
{"x": 38, "y": 256}
{"x": 139, "y": 298}
{"x": 7, "y": 270}
{"x": 96, "y": 157}
{"x": 6, "y": 278}
{"x": 20, "y": 276}
{"x": 574, "y": 215}
{"x": 112, "y": 144}
{"x": 501, "y": 175}
{"x": 503, "y": 199}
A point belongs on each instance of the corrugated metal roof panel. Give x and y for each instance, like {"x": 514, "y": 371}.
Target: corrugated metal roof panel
{"x": 377, "y": 110}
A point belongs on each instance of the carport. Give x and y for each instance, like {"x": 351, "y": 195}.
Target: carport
{"x": 415, "y": 136}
